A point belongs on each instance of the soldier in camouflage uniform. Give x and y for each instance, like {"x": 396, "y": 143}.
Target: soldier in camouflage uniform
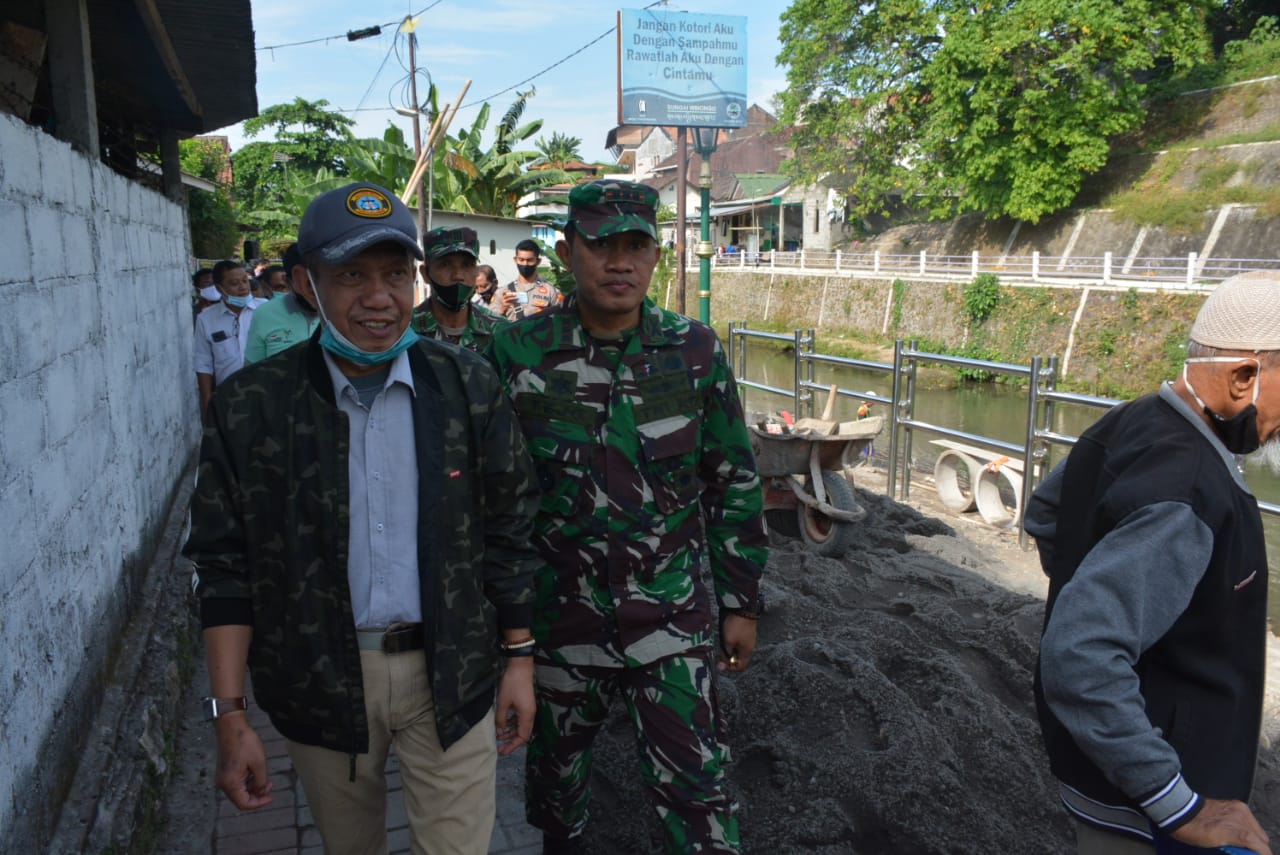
{"x": 360, "y": 532}
{"x": 638, "y": 439}
{"x": 449, "y": 313}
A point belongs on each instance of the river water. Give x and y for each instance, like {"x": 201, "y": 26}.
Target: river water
{"x": 986, "y": 409}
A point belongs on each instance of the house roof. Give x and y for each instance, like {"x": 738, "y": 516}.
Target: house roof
{"x": 187, "y": 66}
{"x": 759, "y": 154}
{"x": 157, "y": 65}
{"x": 761, "y": 184}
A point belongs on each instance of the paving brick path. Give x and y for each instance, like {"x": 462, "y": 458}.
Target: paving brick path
{"x": 286, "y": 827}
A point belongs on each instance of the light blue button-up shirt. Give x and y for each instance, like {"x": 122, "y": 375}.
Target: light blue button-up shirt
{"x": 382, "y": 560}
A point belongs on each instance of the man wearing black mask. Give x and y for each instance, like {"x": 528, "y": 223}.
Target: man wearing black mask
{"x": 1151, "y": 677}
{"x": 450, "y": 269}
{"x": 528, "y": 294}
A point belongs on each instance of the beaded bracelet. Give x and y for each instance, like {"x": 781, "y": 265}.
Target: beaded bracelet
{"x": 509, "y": 647}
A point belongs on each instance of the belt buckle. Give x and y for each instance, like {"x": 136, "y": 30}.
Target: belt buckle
{"x": 391, "y": 638}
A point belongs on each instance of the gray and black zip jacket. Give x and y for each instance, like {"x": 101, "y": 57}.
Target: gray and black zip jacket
{"x": 1149, "y": 686}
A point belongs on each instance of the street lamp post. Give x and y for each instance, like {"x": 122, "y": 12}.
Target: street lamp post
{"x": 704, "y": 143}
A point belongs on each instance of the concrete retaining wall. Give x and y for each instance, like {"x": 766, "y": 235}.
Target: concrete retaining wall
{"x": 97, "y": 421}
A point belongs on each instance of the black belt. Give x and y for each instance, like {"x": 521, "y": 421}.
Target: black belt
{"x": 398, "y": 638}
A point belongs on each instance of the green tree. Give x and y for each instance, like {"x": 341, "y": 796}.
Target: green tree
{"x": 997, "y": 106}
{"x": 469, "y": 177}
{"x": 307, "y": 138}
{"x": 211, "y": 216}
{"x": 388, "y": 161}
{"x": 559, "y": 149}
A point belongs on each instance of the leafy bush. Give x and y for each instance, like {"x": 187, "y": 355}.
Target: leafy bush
{"x": 981, "y": 297}
{"x": 899, "y": 294}
{"x": 1243, "y": 59}
{"x": 972, "y": 350}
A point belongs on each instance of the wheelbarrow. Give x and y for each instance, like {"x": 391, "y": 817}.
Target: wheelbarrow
{"x": 804, "y": 473}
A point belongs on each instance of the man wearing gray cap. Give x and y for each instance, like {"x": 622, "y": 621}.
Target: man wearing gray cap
{"x": 360, "y": 532}
{"x": 1151, "y": 673}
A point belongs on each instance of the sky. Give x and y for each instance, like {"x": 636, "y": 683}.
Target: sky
{"x": 497, "y": 44}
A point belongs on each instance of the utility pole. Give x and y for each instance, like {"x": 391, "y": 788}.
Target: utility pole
{"x": 417, "y": 130}
{"x": 682, "y": 167}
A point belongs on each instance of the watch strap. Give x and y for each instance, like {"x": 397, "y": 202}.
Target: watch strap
{"x": 215, "y": 708}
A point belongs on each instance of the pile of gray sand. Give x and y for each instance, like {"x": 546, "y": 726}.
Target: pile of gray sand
{"x": 888, "y": 707}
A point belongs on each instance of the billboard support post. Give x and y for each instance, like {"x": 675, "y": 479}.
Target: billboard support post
{"x": 704, "y": 142}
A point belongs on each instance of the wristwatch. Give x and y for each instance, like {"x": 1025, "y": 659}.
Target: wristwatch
{"x": 216, "y": 708}
{"x": 753, "y": 611}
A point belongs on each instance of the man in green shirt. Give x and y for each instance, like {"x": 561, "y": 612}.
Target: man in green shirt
{"x": 638, "y": 439}
{"x": 283, "y": 322}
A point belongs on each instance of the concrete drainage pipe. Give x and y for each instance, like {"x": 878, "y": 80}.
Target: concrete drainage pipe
{"x": 954, "y": 476}
{"x": 999, "y": 503}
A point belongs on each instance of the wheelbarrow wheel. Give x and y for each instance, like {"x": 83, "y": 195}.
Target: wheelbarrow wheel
{"x": 820, "y": 532}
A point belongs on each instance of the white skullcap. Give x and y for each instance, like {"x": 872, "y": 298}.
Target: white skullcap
{"x": 1243, "y": 313}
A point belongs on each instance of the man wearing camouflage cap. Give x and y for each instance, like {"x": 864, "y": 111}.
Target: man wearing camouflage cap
{"x": 1151, "y": 672}
{"x": 638, "y": 439}
{"x": 449, "y": 313}
{"x": 360, "y": 533}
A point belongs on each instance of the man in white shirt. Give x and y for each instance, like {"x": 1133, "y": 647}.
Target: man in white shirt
{"x": 222, "y": 330}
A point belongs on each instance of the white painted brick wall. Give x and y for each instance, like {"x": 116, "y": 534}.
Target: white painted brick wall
{"x": 97, "y": 421}
{"x": 77, "y": 244}
{"x": 44, "y": 230}
{"x": 14, "y": 244}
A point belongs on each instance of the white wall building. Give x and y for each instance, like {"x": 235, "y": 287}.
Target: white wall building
{"x": 98, "y": 420}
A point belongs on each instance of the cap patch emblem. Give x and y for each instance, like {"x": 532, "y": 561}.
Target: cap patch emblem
{"x": 369, "y": 203}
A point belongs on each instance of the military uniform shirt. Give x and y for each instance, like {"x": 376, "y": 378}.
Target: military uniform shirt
{"x": 475, "y": 336}
{"x": 646, "y": 468}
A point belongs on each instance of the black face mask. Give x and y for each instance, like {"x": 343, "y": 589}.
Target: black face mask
{"x": 1238, "y": 433}
{"x": 527, "y": 271}
{"x": 452, "y": 297}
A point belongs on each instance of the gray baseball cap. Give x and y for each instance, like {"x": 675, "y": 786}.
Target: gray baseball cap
{"x": 342, "y": 223}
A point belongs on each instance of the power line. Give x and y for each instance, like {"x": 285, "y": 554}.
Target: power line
{"x": 343, "y": 36}
{"x": 378, "y": 73}
{"x": 360, "y": 108}
{"x": 557, "y": 64}
{"x": 395, "y": 38}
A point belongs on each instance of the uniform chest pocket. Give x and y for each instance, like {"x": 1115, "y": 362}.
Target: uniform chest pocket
{"x": 670, "y": 449}
{"x": 564, "y": 475}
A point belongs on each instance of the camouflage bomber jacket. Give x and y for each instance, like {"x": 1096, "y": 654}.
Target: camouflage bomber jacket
{"x": 481, "y": 321}
{"x": 646, "y": 468}
{"x": 269, "y": 531}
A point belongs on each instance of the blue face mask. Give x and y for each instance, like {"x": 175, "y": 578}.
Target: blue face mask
{"x": 238, "y": 302}
{"x": 339, "y": 345}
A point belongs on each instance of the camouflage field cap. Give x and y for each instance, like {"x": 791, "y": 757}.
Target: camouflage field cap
{"x": 344, "y": 222}
{"x": 602, "y": 208}
{"x": 441, "y": 242}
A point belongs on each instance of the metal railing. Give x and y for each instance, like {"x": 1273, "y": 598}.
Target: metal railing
{"x": 1185, "y": 273}
{"x": 1040, "y": 377}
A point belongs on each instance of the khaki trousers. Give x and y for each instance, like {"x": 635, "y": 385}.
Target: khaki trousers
{"x": 1094, "y": 841}
{"x": 449, "y": 795}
